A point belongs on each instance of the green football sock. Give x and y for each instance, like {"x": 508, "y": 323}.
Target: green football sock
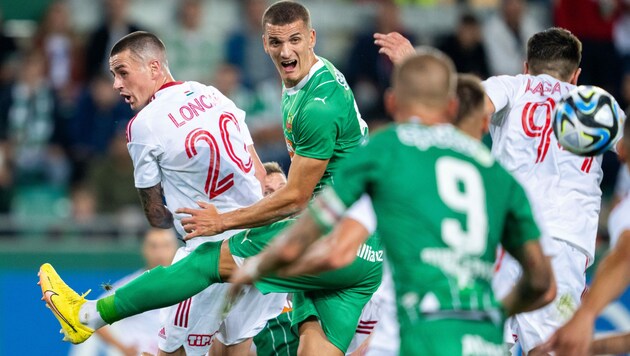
{"x": 164, "y": 286}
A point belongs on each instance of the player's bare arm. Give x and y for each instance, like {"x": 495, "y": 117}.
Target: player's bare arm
{"x": 536, "y": 287}
{"x": 611, "y": 279}
{"x": 154, "y": 209}
{"x": 336, "y": 250}
{"x": 286, "y": 201}
{"x": 394, "y": 45}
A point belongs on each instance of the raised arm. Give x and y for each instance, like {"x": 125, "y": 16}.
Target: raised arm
{"x": 304, "y": 175}
{"x": 154, "y": 209}
{"x": 394, "y": 45}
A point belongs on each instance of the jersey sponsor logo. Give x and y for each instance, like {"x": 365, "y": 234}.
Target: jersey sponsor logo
{"x": 367, "y": 253}
{"x": 200, "y": 339}
{"x": 543, "y": 88}
{"x": 191, "y": 109}
{"x": 323, "y": 100}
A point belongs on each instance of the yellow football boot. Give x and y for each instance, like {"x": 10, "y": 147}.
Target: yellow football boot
{"x": 64, "y": 303}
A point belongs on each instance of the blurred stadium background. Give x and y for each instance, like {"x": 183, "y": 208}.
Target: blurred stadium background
{"x": 66, "y": 182}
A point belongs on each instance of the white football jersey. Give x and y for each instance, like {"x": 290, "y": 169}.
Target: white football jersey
{"x": 619, "y": 220}
{"x": 193, "y": 140}
{"x": 563, "y": 187}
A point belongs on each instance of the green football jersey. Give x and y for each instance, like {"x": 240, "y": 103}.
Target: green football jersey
{"x": 321, "y": 119}
{"x": 443, "y": 205}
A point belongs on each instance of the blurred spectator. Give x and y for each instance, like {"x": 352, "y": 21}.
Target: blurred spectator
{"x": 244, "y": 48}
{"x": 100, "y": 42}
{"x": 138, "y": 334}
{"x": 592, "y": 22}
{"x": 263, "y": 111}
{"x": 505, "y": 37}
{"x": 8, "y": 51}
{"x": 99, "y": 113}
{"x": 466, "y": 48}
{"x": 193, "y": 53}
{"x": 30, "y": 126}
{"x": 55, "y": 38}
{"x": 111, "y": 179}
{"x": 367, "y": 71}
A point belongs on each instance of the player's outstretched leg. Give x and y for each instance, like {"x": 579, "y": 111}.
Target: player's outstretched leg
{"x": 64, "y": 303}
{"x": 154, "y": 289}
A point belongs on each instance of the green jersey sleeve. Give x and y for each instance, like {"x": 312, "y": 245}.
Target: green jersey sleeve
{"x": 315, "y": 130}
{"x": 520, "y": 225}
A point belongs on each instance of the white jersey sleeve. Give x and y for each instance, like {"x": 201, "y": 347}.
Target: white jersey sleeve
{"x": 363, "y": 212}
{"x": 145, "y": 152}
{"x": 619, "y": 220}
{"x": 502, "y": 91}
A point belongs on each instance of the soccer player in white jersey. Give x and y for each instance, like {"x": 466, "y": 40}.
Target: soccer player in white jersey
{"x": 564, "y": 188}
{"x": 611, "y": 279}
{"x": 189, "y": 143}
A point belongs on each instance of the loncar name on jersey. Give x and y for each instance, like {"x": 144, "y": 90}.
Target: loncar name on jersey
{"x": 443, "y": 136}
{"x": 192, "y": 108}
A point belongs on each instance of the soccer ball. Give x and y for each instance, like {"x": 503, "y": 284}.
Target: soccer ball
{"x": 587, "y": 121}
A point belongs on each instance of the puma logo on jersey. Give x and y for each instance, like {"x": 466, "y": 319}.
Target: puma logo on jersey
{"x": 323, "y": 100}
{"x": 245, "y": 237}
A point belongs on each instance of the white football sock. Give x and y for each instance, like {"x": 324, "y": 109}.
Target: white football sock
{"x": 89, "y": 316}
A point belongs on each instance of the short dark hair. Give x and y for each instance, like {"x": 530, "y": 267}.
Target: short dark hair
{"x": 554, "y": 51}
{"x": 273, "y": 167}
{"x": 470, "y": 94}
{"x": 139, "y": 43}
{"x": 284, "y": 13}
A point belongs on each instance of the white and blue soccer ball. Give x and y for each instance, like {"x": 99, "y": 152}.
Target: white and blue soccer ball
{"x": 588, "y": 121}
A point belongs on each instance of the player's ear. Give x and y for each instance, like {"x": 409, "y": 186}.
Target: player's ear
{"x": 575, "y": 76}
{"x": 525, "y": 68}
{"x": 312, "y": 39}
{"x": 155, "y": 67}
{"x": 391, "y": 104}
{"x": 621, "y": 151}
{"x": 452, "y": 107}
{"x": 264, "y": 41}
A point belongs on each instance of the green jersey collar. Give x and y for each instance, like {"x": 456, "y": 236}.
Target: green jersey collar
{"x": 294, "y": 89}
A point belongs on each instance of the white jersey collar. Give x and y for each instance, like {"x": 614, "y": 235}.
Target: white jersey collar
{"x": 294, "y": 89}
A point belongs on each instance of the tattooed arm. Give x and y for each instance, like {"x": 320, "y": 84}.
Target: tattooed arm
{"x": 154, "y": 208}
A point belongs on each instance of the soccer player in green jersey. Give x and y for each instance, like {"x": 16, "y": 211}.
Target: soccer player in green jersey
{"x": 441, "y": 217}
{"x": 321, "y": 124}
